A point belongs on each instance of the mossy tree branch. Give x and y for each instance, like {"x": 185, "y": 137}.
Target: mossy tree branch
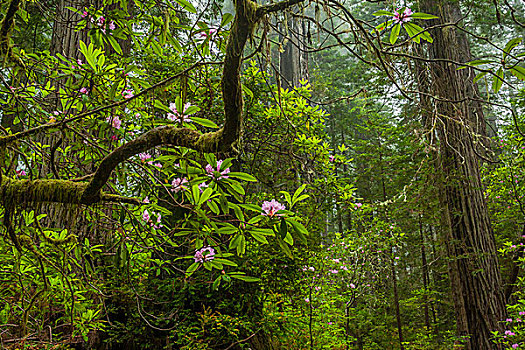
{"x": 248, "y": 13}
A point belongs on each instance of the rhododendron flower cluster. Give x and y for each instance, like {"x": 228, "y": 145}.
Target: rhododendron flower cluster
{"x": 127, "y": 94}
{"x": 402, "y": 17}
{"x": 204, "y": 254}
{"x": 272, "y": 207}
{"x": 216, "y": 172}
{"x": 114, "y": 121}
{"x": 175, "y": 116}
{"x": 178, "y": 184}
{"x": 148, "y": 219}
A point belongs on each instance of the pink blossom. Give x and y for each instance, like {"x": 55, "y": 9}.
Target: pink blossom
{"x": 331, "y": 158}
{"x": 158, "y": 165}
{"x": 83, "y": 90}
{"x": 205, "y": 34}
{"x": 509, "y": 320}
{"x": 145, "y": 216}
{"x": 114, "y": 121}
{"x": 21, "y": 173}
{"x": 111, "y": 25}
{"x": 175, "y": 116}
{"x": 307, "y": 300}
{"x": 404, "y": 17}
{"x": 204, "y": 254}
{"x": 271, "y": 208}
{"x": 509, "y": 333}
{"x": 144, "y": 156}
{"x": 127, "y": 94}
{"x": 145, "y": 200}
{"x": 358, "y": 205}
{"x": 334, "y": 271}
{"x": 515, "y": 346}
{"x": 352, "y": 285}
{"x": 178, "y": 184}
{"x": 216, "y": 172}
{"x": 84, "y": 14}
{"x": 114, "y": 137}
{"x": 203, "y": 186}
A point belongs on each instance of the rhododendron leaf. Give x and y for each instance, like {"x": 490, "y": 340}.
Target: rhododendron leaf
{"x": 383, "y": 13}
{"x": 421, "y": 15}
{"x": 225, "y": 261}
{"x": 258, "y": 237}
{"x": 518, "y": 72}
{"x": 216, "y": 283}
{"x": 226, "y": 18}
{"x": 288, "y": 239}
{"x": 283, "y": 228}
{"x": 114, "y": 44}
{"x": 497, "y": 80}
{"x": 511, "y": 45}
{"x": 191, "y": 269}
{"x": 252, "y": 207}
{"x": 285, "y": 247}
{"x": 243, "y": 176}
{"x": 395, "y": 33}
{"x": 296, "y": 197}
{"x": 205, "y": 195}
{"x": 228, "y": 230}
{"x": 237, "y": 210}
{"x": 244, "y": 278}
{"x": 204, "y": 122}
{"x": 186, "y": 5}
{"x": 160, "y": 105}
{"x": 287, "y": 197}
{"x": 479, "y": 76}
{"x": 213, "y": 206}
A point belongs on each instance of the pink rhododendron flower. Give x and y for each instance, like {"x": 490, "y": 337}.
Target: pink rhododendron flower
{"x": 111, "y": 25}
{"x": 127, "y": 94}
{"x": 83, "y": 90}
{"x": 84, "y": 14}
{"x": 203, "y": 186}
{"x": 144, "y": 156}
{"x": 145, "y": 216}
{"x": 515, "y": 346}
{"x": 145, "y": 200}
{"x": 307, "y": 300}
{"x": 402, "y": 17}
{"x": 331, "y": 158}
{"x": 114, "y": 121}
{"x": 21, "y": 173}
{"x": 272, "y": 207}
{"x": 175, "y": 116}
{"x": 204, "y": 254}
{"x": 359, "y": 205}
{"x": 216, "y": 172}
{"x": 205, "y": 34}
{"x": 178, "y": 184}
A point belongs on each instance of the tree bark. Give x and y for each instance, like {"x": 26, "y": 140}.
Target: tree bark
{"x": 473, "y": 264}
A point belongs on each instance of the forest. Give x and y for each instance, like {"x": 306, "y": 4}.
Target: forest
{"x": 262, "y": 175}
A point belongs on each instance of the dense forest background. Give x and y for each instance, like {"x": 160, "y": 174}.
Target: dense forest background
{"x": 302, "y": 174}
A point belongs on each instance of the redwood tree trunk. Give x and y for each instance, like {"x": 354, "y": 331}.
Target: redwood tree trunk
{"x": 474, "y": 270}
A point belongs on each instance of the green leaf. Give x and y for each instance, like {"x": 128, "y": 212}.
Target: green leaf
{"x": 287, "y": 197}
{"x": 205, "y": 196}
{"x": 296, "y": 197}
{"x": 283, "y": 228}
{"x": 383, "y": 13}
{"x": 193, "y": 267}
{"x": 243, "y": 176}
{"x": 511, "y": 45}
{"x": 204, "y": 122}
{"x": 479, "y": 76}
{"x": 245, "y": 278}
{"x": 285, "y": 247}
{"x": 259, "y": 237}
{"x": 226, "y": 18}
{"x": 421, "y": 15}
{"x": 395, "y": 33}
{"x": 160, "y": 105}
{"x": 225, "y": 261}
{"x": 288, "y": 239}
{"x": 518, "y": 72}
{"x": 88, "y": 54}
{"x": 114, "y": 44}
{"x": 186, "y": 5}
{"x": 498, "y": 80}
{"x": 251, "y": 207}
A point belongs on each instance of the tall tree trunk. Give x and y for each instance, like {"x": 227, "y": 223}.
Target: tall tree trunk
{"x": 293, "y": 61}
{"x": 474, "y": 271}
